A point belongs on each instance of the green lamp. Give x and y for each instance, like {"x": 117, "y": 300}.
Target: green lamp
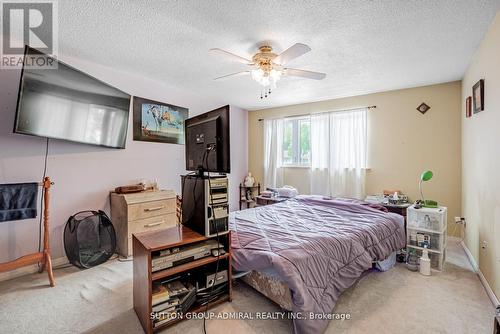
{"x": 426, "y": 176}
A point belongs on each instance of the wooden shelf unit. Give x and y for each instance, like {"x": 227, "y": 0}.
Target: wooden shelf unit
{"x": 253, "y": 191}
{"x": 147, "y": 243}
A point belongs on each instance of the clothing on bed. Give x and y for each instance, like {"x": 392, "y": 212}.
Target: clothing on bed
{"x": 18, "y": 201}
{"x": 318, "y": 247}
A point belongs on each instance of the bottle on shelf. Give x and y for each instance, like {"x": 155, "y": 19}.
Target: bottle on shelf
{"x": 425, "y": 262}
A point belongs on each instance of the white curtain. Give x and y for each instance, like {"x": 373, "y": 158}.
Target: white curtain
{"x": 338, "y": 153}
{"x": 273, "y": 142}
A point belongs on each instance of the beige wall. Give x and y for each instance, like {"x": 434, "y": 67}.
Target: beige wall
{"x": 481, "y": 159}
{"x": 402, "y": 141}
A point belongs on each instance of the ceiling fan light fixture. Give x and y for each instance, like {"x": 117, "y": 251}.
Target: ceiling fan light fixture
{"x": 266, "y": 78}
{"x": 275, "y": 75}
{"x": 265, "y": 81}
{"x": 257, "y": 74}
{"x": 268, "y": 67}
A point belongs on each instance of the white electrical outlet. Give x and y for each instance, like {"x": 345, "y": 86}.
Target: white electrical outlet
{"x": 485, "y": 244}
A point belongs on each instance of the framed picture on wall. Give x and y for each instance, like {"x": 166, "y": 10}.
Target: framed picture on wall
{"x": 478, "y": 96}
{"x": 468, "y": 106}
{"x": 158, "y": 122}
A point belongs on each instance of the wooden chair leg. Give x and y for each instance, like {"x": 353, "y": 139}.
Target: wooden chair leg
{"x": 48, "y": 267}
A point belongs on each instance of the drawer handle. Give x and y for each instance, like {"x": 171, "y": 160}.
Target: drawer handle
{"x": 153, "y": 224}
{"x": 154, "y": 209}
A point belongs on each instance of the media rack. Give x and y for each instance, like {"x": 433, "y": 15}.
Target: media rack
{"x": 148, "y": 243}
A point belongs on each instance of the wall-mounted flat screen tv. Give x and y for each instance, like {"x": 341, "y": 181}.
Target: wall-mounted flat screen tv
{"x": 65, "y": 103}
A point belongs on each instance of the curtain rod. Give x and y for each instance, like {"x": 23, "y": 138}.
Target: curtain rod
{"x": 320, "y": 112}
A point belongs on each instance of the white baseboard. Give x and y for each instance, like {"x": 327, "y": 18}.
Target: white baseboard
{"x": 486, "y": 285}
{"x": 30, "y": 269}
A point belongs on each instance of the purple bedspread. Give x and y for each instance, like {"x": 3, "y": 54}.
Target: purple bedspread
{"x": 318, "y": 247}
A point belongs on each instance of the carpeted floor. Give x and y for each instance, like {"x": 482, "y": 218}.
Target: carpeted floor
{"x": 99, "y": 301}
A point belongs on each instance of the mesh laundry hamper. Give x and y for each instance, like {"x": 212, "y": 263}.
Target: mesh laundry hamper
{"x": 89, "y": 238}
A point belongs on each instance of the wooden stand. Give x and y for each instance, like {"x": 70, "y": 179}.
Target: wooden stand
{"x": 261, "y": 200}
{"x": 243, "y": 195}
{"x": 147, "y": 243}
{"x": 42, "y": 257}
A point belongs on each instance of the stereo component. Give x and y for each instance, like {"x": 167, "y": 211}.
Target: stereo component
{"x": 212, "y": 280}
{"x": 205, "y": 204}
{"x": 183, "y": 255}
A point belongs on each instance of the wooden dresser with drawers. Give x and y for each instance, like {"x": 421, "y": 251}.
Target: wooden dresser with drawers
{"x": 141, "y": 212}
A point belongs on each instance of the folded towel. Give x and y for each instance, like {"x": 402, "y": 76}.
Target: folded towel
{"x": 18, "y": 201}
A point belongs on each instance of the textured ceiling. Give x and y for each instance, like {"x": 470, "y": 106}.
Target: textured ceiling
{"x": 363, "y": 46}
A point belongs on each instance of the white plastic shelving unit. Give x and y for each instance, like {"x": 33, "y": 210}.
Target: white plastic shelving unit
{"x": 427, "y": 226}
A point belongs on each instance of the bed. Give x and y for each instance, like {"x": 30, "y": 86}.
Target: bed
{"x": 307, "y": 250}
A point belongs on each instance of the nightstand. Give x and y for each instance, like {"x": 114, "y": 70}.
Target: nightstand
{"x": 247, "y": 195}
{"x": 400, "y": 209}
{"x": 261, "y": 200}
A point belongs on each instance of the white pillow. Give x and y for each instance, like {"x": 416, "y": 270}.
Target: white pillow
{"x": 288, "y": 191}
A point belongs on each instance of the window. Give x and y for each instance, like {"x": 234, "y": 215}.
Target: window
{"x": 296, "y": 149}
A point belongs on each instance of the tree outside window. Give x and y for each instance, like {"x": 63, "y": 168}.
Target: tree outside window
{"x": 296, "y": 150}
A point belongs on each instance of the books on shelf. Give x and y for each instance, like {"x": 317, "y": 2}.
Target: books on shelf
{"x": 175, "y": 288}
{"x": 182, "y": 297}
{"x": 160, "y": 294}
{"x": 172, "y": 302}
{"x": 167, "y": 291}
{"x": 165, "y": 317}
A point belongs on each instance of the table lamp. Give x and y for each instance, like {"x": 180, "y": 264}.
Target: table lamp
{"x": 426, "y": 176}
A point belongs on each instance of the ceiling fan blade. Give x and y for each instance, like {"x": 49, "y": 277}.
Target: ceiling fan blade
{"x": 304, "y": 74}
{"x": 291, "y": 53}
{"x": 230, "y": 56}
{"x": 237, "y": 74}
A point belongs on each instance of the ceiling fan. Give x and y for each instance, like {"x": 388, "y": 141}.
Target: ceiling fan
{"x": 268, "y": 67}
